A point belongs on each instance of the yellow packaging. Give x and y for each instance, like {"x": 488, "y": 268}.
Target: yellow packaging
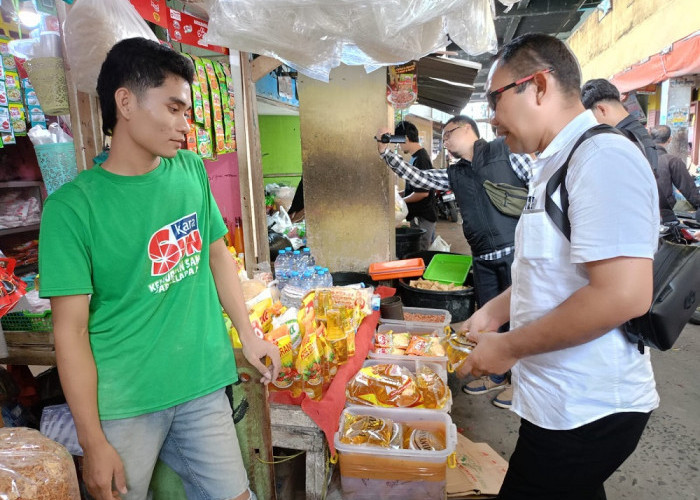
{"x": 285, "y": 379}
{"x": 308, "y": 364}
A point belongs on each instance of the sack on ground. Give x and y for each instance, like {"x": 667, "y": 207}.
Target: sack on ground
{"x": 509, "y": 200}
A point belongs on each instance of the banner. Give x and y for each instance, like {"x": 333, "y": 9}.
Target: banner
{"x": 152, "y": 11}
{"x": 187, "y": 29}
{"x": 402, "y": 85}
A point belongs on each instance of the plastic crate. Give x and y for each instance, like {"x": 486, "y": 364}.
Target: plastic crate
{"x": 27, "y": 322}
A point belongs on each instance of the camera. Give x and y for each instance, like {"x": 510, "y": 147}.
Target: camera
{"x": 387, "y": 138}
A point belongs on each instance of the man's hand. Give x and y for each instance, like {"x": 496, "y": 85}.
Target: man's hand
{"x": 104, "y": 472}
{"x": 255, "y": 349}
{"x": 480, "y": 321}
{"x": 491, "y": 355}
{"x": 381, "y": 147}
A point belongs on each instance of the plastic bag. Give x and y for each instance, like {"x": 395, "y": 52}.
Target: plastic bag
{"x": 480, "y": 33}
{"x": 91, "y": 28}
{"x": 34, "y": 466}
{"x": 439, "y": 245}
{"x": 280, "y": 222}
{"x": 400, "y": 207}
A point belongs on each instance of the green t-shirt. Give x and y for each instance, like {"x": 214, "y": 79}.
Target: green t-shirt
{"x": 140, "y": 246}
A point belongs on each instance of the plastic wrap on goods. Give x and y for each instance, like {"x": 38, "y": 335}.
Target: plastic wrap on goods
{"x": 34, "y": 467}
{"x": 91, "y": 28}
{"x": 314, "y": 36}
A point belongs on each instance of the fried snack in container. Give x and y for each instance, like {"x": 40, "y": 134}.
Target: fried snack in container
{"x": 432, "y": 388}
{"x": 385, "y": 385}
{"x": 34, "y": 467}
{"x": 435, "y": 348}
{"x": 418, "y": 346}
{"x": 401, "y": 340}
{"x": 367, "y": 429}
{"x": 383, "y": 339}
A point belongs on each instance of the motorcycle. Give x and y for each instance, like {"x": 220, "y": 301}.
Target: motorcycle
{"x": 686, "y": 231}
{"x": 447, "y": 205}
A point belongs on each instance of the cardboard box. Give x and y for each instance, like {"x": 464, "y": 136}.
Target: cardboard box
{"x": 479, "y": 473}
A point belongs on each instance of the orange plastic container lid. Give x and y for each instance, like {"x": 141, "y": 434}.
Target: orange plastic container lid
{"x": 405, "y": 268}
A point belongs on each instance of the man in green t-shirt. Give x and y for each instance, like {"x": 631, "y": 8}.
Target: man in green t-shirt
{"x": 133, "y": 259}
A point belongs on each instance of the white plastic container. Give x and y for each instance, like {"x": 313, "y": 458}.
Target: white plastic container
{"x": 413, "y": 363}
{"x": 371, "y": 472}
{"x": 444, "y": 325}
{"x": 412, "y": 330}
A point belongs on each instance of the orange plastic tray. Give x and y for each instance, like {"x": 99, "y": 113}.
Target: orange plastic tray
{"x": 405, "y": 268}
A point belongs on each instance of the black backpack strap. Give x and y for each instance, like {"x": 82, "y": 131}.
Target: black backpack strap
{"x": 560, "y": 216}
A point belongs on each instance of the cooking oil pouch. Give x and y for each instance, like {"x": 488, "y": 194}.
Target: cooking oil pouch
{"x": 285, "y": 379}
{"x": 367, "y": 429}
{"x": 385, "y": 385}
{"x": 432, "y": 389}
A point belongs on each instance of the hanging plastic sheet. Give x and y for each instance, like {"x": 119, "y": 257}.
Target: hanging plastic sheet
{"x": 315, "y": 36}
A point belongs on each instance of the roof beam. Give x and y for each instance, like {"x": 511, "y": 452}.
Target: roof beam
{"x": 514, "y": 22}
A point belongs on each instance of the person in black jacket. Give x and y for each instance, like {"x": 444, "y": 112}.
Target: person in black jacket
{"x": 489, "y": 232}
{"x": 603, "y": 98}
{"x": 672, "y": 172}
{"x": 422, "y": 210}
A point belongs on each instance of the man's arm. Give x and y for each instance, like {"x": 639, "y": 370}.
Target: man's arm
{"x": 619, "y": 289}
{"x": 76, "y": 368}
{"x": 416, "y": 196}
{"x": 424, "y": 179}
{"x": 228, "y": 287}
{"x": 684, "y": 182}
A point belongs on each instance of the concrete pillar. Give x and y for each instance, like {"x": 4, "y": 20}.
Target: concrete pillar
{"x": 675, "y": 108}
{"x": 348, "y": 189}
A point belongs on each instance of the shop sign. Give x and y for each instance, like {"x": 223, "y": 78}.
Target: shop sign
{"x": 153, "y": 11}
{"x": 402, "y": 85}
{"x": 190, "y": 30}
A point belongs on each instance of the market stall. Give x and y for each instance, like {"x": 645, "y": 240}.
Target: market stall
{"x": 347, "y": 207}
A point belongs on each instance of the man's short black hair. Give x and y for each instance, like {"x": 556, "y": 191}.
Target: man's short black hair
{"x": 534, "y": 52}
{"x": 599, "y": 89}
{"x": 464, "y": 120}
{"x": 661, "y": 134}
{"x": 408, "y": 129}
{"x": 138, "y": 64}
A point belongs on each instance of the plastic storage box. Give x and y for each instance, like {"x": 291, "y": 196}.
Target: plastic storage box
{"x": 413, "y": 330}
{"x": 371, "y": 472}
{"x": 443, "y": 325}
{"x": 448, "y": 268}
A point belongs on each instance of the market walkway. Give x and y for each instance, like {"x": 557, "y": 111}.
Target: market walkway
{"x": 664, "y": 466}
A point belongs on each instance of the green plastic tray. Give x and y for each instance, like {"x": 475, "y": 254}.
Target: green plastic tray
{"x": 448, "y": 268}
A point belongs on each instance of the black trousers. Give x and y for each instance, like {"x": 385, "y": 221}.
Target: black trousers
{"x": 491, "y": 277}
{"x": 572, "y": 464}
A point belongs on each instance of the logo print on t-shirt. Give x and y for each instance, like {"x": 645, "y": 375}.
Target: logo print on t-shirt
{"x": 172, "y": 243}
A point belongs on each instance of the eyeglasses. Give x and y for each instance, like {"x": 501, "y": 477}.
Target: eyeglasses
{"x": 447, "y": 133}
{"x": 494, "y": 96}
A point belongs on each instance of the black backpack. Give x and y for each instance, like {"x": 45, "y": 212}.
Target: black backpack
{"x": 676, "y": 270}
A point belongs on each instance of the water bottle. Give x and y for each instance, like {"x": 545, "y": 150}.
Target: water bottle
{"x": 321, "y": 279}
{"x": 282, "y": 278}
{"x": 309, "y": 260}
{"x": 281, "y": 263}
{"x": 296, "y": 263}
{"x": 294, "y": 279}
{"x": 328, "y": 278}
{"x": 307, "y": 281}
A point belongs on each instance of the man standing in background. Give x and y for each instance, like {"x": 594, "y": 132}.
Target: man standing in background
{"x": 422, "y": 212}
{"x": 603, "y": 98}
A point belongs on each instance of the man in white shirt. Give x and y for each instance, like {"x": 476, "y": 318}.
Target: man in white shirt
{"x": 583, "y": 392}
